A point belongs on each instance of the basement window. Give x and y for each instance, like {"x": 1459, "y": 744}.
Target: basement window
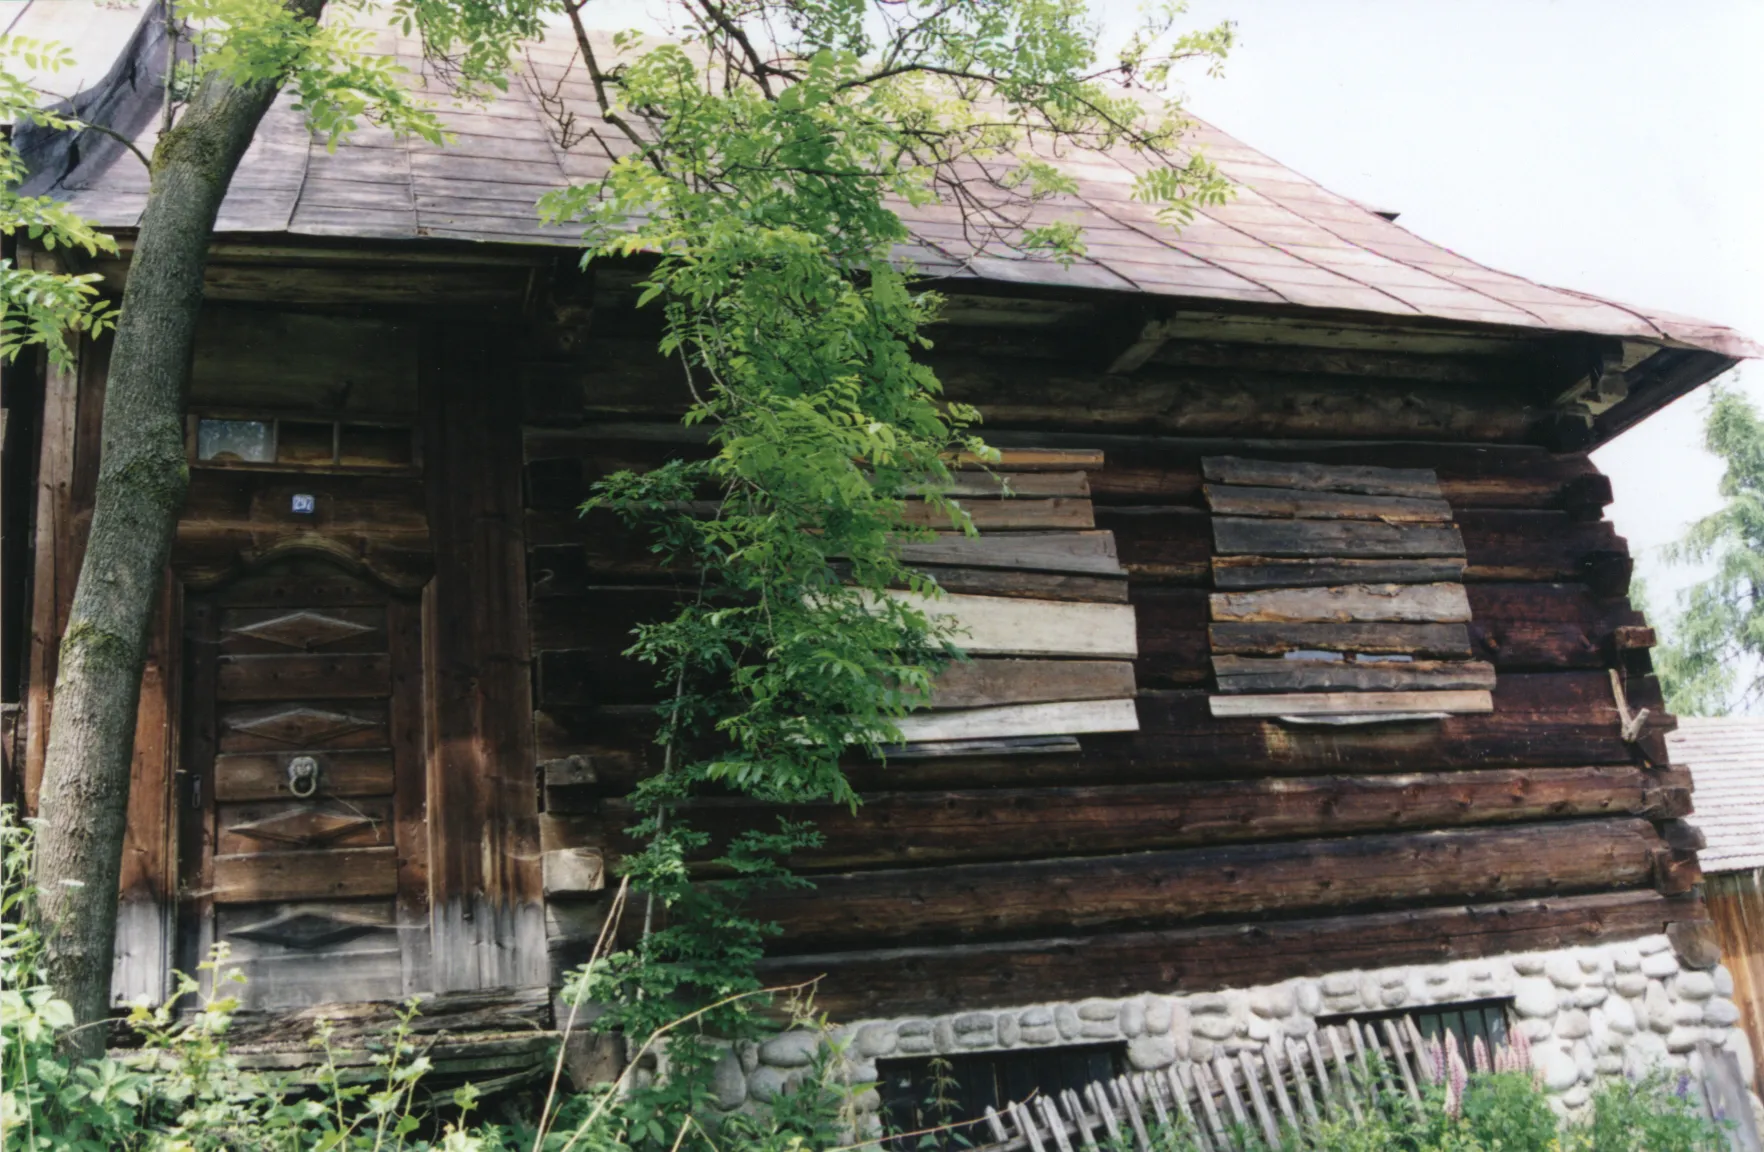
{"x": 302, "y": 444}
{"x": 931, "y": 1091}
{"x": 1487, "y": 1020}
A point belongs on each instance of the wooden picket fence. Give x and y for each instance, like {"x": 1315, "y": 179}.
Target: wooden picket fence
{"x": 1336, "y": 1073}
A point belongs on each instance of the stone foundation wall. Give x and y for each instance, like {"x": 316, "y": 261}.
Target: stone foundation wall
{"x": 1588, "y": 1012}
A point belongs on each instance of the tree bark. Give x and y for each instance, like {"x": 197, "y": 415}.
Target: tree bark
{"x": 142, "y": 477}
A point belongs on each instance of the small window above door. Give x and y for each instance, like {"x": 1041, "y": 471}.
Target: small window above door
{"x": 303, "y": 444}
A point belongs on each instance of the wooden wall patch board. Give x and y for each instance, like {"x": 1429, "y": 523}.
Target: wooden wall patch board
{"x": 1035, "y": 460}
{"x": 1003, "y": 515}
{"x": 1291, "y": 503}
{"x": 1245, "y": 572}
{"x": 1422, "y": 640}
{"x": 985, "y": 683}
{"x": 1347, "y": 604}
{"x": 1085, "y": 552}
{"x": 1000, "y": 746}
{"x": 1237, "y": 674}
{"x": 1062, "y": 719}
{"x": 1418, "y": 483}
{"x": 1459, "y": 702}
{"x": 1004, "y": 626}
{"x": 976, "y": 483}
{"x": 1244, "y": 535}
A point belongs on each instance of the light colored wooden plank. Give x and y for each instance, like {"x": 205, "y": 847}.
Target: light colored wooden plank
{"x": 1021, "y": 513}
{"x": 1347, "y": 604}
{"x": 1035, "y": 460}
{"x": 978, "y": 484}
{"x": 1247, "y": 535}
{"x": 1441, "y": 640}
{"x": 1421, "y": 483}
{"x": 1293, "y": 503}
{"x": 1349, "y": 703}
{"x": 573, "y": 871}
{"x": 1011, "y": 626}
{"x": 1239, "y": 674}
{"x": 1062, "y": 719}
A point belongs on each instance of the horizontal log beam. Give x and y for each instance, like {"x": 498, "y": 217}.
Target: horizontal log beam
{"x": 1303, "y": 476}
{"x": 1333, "y": 538}
{"x": 893, "y": 982}
{"x": 994, "y": 901}
{"x": 987, "y": 683}
{"x": 900, "y": 829}
{"x": 1066, "y": 718}
{"x": 1287, "y": 503}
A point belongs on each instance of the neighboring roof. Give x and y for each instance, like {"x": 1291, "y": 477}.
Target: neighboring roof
{"x": 1726, "y": 760}
{"x": 94, "y": 31}
{"x": 1282, "y": 240}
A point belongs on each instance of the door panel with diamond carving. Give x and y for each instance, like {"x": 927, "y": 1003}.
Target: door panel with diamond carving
{"x": 305, "y": 851}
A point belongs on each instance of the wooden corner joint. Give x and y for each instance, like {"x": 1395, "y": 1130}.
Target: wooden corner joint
{"x": 1675, "y": 872}
{"x": 1634, "y": 725}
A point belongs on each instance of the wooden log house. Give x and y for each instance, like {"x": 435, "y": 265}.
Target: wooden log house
{"x": 1302, "y": 640}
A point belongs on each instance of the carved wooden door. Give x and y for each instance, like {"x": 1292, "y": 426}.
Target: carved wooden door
{"x": 304, "y": 838}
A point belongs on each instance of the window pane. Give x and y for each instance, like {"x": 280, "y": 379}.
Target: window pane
{"x": 301, "y": 442}
{"x": 225, "y": 441}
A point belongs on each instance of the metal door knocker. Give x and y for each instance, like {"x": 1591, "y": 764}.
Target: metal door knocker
{"x": 303, "y": 776}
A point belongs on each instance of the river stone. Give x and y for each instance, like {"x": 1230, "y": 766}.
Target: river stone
{"x": 1036, "y": 1017}
{"x": 1694, "y": 986}
{"x": 1529, "y": 965}
{"x": 1158, "y": 1014}
{"x": 1132, "y": 1018}
{"x": 1648, "y": 945}
{"x": 1008, "y": 1030}
{"x": 1560, "y": 1072}
{"x": 1273, "y": 1003}
{"x": 1659, "y": 1008}
{"x": 1214, "y": 1027}
{"x": 1042, "y": 1034}
{"x": 1535, "y": 998}
{"x": 1626, "y": 958}
{"x": 1683, "y": 1039}
{"x": 1619, "y": 1015}
{"x": 1340, "y": 984}
{"x": 790, "y": 1050}
{"x": 728, "y": 1082}
{"x": 1099, "y": 1010}
{"x": 1310, "y": 997}
{"x": 1660, "y": 965}
{"x": 1721, "y": 1013}
{"x": 1573, "y": 1024}
{"x": 1564, "y": 971}
{"x": 765, "y": 1083}
{"x": 1208, "y": 1004}
{"x": 875, "y": 1040}
{"x": 1589, "y": 996}
{"x": 1630, "y": 983}
{"x": 1066, "y": 1018}
{"x": 1147, "y": 1053}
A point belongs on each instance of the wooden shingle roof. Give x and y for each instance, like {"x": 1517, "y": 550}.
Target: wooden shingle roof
{"x": 1726, "y": 760}
{"x": 1282, "y": 240}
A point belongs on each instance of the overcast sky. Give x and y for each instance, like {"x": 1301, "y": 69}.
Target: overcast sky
{"x": 1614, "y": 146}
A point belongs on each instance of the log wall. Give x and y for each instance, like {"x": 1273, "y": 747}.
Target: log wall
{"x": 1198, "y": 848}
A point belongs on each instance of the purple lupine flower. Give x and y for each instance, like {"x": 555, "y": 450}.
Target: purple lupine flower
{"x": 1683, "y": 1089}
{"x": 1479, "y": 1056}
{"x": 1521, "y": 1051}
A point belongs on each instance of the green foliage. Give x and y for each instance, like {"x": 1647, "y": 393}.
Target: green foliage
{"x": 39, "y": 307}
{"x": 1709, "y": 661}
{"x": 760, "y": 160}
{"x": 339, "y": 82}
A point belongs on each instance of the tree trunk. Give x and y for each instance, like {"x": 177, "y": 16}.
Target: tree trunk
{"x": 142, "y": 477}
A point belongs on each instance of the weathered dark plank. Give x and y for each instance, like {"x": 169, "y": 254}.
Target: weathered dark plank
{"x": 982, "y": 683}
{"x": 1250, "y": 674}
{"x": 982, "y": 484}
{"x": 1253, "y": 639}
{"x": 1335, "y": 538}
{"x": 306, "y": 875}
{"x": 981, "y": 901}
{"x": 900, "y": 829}
{"x": 892, "y": 982}
{"x": 307, "y": 675}
{"x": 1031, "y": 585}
{"x": 1414, "y": 483}
{"x": 1290, "y": 503}
{"x": 264, "y": 776}
{"x": 1245, "y": 572}
{"x": 1087, "y": 552}
{"x": 1347, "y": 604}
